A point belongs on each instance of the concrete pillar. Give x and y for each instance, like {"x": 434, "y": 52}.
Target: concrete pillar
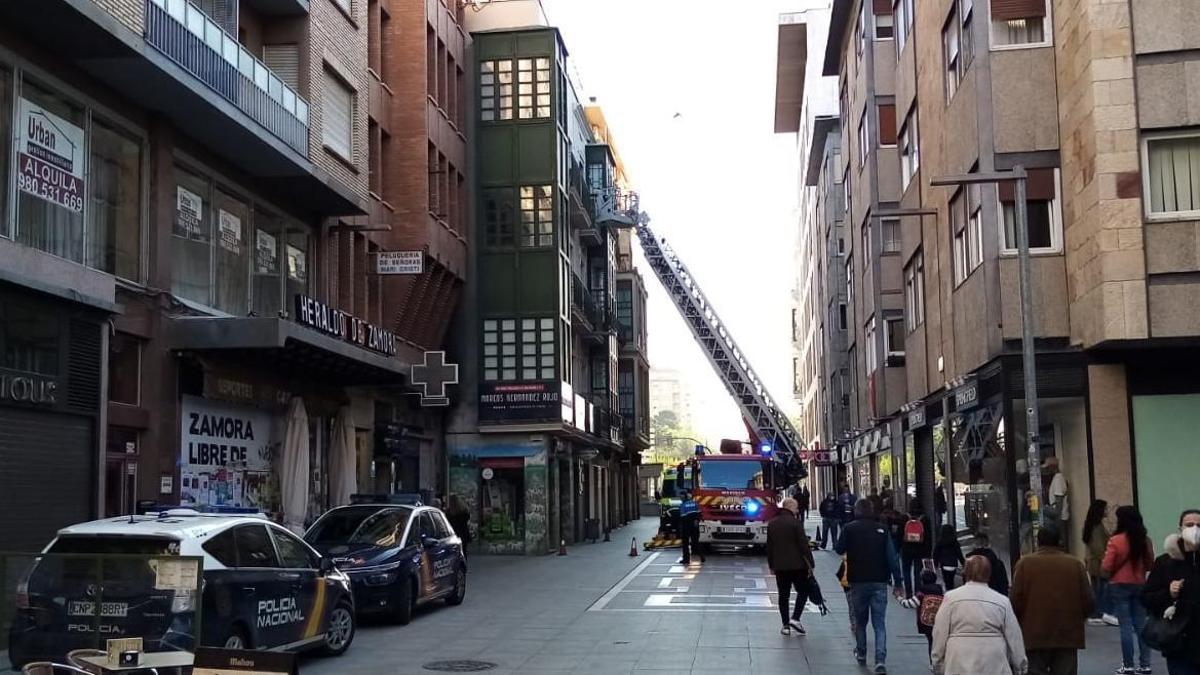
{"x": 1112, "y": 456}
{"x": 555, "y": 529}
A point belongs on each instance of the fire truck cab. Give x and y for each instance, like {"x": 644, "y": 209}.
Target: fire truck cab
{"x": 738, "y": 493}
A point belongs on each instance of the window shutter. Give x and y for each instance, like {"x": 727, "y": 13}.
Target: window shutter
{"x": 1039, "y": 187}
{"x": 1005, "y": 10}
{"x": 339, "y": 104}
{"x": 284, "y": 61}
{"x": 887, "y": 125}
{"x": 882, "y": 6}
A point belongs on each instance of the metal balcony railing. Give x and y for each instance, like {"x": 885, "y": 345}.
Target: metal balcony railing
{"x": 614, "y": 205}
{"x": 187, "y": 36}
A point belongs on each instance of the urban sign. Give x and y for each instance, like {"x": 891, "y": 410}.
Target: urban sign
{"x": 518, "y": 401}
{"x": 325, "y": 319}
{"x": 50, "y": 157}
{"x": 400, "y": 262}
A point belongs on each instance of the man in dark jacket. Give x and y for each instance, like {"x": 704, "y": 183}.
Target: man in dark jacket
{"x": 871, "y": 561}
{"x": 791, "y": 561}
{"x": 1052, "y": 598}
{"x": 831, "y": 521}
{"x": 999, "y": 579}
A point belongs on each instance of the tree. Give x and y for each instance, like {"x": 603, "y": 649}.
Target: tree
{"x": 669, "y": 437}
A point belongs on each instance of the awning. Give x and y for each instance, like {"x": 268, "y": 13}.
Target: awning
{"x": 285, "y": 347}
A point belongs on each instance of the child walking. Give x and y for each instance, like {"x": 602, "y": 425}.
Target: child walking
{"x": 929, "y": 596}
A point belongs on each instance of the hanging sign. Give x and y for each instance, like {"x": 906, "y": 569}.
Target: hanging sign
{"x": 400, "y": 262}
{"x": 50, "y": 157}
{"x": 230, "y": 227}
{"x": 323, "y": 318}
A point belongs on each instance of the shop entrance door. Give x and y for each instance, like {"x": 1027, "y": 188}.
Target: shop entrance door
{"x": 120, "y": 486}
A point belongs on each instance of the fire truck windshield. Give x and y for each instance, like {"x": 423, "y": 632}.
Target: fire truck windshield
{"x": 733, "y": 475}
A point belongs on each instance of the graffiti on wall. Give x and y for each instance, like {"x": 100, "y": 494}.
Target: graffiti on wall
{"x": 536, "y": 504}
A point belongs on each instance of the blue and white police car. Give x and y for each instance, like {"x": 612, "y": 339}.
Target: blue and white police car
{"x": 263, "y": 588}
{"x": 398, "y": 555}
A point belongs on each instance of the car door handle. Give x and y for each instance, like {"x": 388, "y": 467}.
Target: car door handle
{"x": 289, "y": 576}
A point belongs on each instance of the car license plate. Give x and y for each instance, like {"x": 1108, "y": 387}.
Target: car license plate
{"x": 107, "y": 609}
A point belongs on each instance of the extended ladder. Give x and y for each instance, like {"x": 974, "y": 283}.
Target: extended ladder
{"x": 759, "y": 409}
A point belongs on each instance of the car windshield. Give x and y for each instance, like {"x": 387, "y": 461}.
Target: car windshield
{"x": 381, "y": 527}
{"x": 733, "y": 475}
{"x": 113, "y": 545}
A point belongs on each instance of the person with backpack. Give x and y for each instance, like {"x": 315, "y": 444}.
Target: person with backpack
{"x": 916, "y": 544}
{"x": 929, "y": 599}
{"x": 948, "y": 555}
{"x": 830, "y": 520}
{"x": 999, "y": 580}
{"x": 871, "y": 562}
{"x": 1052, "y": 597}
{"x": 1126, "y": 562}
{"x": 1172, "y": 593}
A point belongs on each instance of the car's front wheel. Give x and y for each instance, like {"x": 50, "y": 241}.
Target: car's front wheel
{"x": 459, "y": 593}
{"x": 341, "y": 629}
{"x": 235, "y": 639}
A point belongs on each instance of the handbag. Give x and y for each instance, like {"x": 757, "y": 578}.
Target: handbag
{"x": 1167, "y": 635}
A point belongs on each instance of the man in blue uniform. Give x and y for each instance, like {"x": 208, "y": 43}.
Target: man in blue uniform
{"x": 689, "y": 528}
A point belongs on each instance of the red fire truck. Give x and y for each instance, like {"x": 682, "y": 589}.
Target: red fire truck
{"x": 737, "y": 492}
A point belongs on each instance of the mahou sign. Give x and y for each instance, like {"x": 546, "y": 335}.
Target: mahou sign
{"x": 50, "y": 157}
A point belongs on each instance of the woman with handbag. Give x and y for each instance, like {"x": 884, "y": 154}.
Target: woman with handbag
{"x": 1172, "y": 596}
{"x": 1126, "y": 562}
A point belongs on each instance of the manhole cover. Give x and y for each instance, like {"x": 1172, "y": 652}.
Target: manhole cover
{"x": 459, "y": 666}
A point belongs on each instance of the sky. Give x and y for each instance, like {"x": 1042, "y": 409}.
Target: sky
{"x": 689, "y": 92}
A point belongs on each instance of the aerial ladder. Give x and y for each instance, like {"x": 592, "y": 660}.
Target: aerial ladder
{"x": 764, "y": 419}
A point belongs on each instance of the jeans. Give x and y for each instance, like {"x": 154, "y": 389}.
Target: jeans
{"x": 869, "y": 600}
{"x": 785, "y": 580}
{"x": 1181, "y": 665}
{"x": 829, "y": 530}
{"x": 1100, "y": 590}
{"x": 1126, "y": 601}
{"x": 1053, "y": 661}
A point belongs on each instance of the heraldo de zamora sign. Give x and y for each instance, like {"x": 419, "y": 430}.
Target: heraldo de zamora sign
{"x": 321, "y": 317}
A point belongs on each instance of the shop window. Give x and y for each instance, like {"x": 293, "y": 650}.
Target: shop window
{"x": 268, "y": 242}
{"x": 297, "y": 278}
{"x": 533, "y": 88}
{"x": 1171, "y": 175}
{"x": 1020, "y": 23}
{"x": 124, "y": 369}
{"x": 115, "y": 214}
{"x": 232, "y": 254}
{"x": 30, "y": 339}
{"x": 502, "y": 504}
{"x": 979, "y": 477}
{"x": 537, "y": 216}
{"x": 1042, "y": 211}
{"x": 50, "y": 172}
{"x": 191, "y": 238}
{"x": 496, "y": 90}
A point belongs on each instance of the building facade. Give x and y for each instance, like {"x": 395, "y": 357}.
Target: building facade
{"x": 539, "y": 449}
{"x": 1072, "y": 92}
{"x": 191, "y": 194}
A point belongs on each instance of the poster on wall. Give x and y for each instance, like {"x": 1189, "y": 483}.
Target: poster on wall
{"x": 507, "y": 401}
{"x": 225, "y": 454}
{"x": 51, "y": 157}
{"x": 189, "y": 212}
{"x": 265, "y": 252}
{"x": 230, "y": 231}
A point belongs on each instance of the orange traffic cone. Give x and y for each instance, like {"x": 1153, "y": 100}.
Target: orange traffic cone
{"x": 633, "y": 548}
{"x": 562, "y": 546}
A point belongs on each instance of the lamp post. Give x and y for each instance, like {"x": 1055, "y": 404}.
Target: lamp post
{"x": 1018, "y": 176}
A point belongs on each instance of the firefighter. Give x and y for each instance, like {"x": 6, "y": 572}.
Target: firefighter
{"x": 689, "y": 528}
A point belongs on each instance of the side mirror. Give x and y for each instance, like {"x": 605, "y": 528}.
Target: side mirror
{"x": 326, "y": 565}
{"x": 429, "y": 542}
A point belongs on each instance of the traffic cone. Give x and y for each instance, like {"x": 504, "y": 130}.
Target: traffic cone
{"x": 606, "y": 535}
{"x": 562, "y": 546}
{"x": 633, "y": 548}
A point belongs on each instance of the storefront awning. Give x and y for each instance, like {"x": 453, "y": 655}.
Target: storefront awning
{"x": 286, "y": 347}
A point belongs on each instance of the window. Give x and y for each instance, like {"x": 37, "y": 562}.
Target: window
{"x": 904, "y": 24}
{"x": 5, "y": 133}
{"x": 887, "y": 125}
{"x": 1171, "y": 167}
{"x": 871, "y": 348}
{"x": 968, "y": 237}
{"x": 232, "y": 258}
{"x": 841, "y": 316}
{"x": 296, "y": 279}
{"x": 191, "y": 238}
{"x": 495, "y": 90}
{"x": 533, "y": 88}
{"x": 1017, "y": 23}
{"x": 254, "y": 547}
{"x": 866, "y": 240}
{"x": 882, "y": 9}
{"x": 850, "y": 280}
{"x": 115, "y": 213}
{"x": 914, "y": 291}
{"x": 534, "y": 339}
{"x": 1043, "y": 220}
{"x": 894, "y": 339}
{"x": 268, "y": 240}
{"x": 841, "y": 246}
{"x": 952, "y": 53}
{"x": 537, "y": 216}
{"x": 223, "y": 547}
{"x": 863, "y": 140}
{"x": 910, "y": 148}
{"x": 337, "y": 127}
{"x": 891, "y": 236}
{"x": 293, "y": 553}
{"x": 861, "y": 28}
{"x": 124, "y": 368}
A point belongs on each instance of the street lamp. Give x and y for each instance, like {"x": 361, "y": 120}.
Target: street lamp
{"x": 1018, "y": 176}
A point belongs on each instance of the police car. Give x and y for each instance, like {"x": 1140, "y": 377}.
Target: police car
{"x": 263, "y": 588}
{"x": 398, "y": 555}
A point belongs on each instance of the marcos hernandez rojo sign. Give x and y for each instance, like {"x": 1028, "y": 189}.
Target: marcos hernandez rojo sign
{"x": 50, "y": 157}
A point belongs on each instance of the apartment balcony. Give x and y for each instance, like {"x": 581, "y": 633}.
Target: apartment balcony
{"x": 582, "y": 208}
{"x": 635, "y": 429}
{"x": 168, "y": 58}
{"x": 606, "y": 421}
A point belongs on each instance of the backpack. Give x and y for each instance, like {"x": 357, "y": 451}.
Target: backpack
{"x": 914, "y": 532}
{"x": 927, "y": 614}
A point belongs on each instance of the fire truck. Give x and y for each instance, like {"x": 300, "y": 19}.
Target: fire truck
{"x": 738, "y": 493}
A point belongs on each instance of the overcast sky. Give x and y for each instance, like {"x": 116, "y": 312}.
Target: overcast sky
{"x": 718, "y": 183}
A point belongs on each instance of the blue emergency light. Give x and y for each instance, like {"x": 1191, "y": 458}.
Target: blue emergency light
{"x": 751, "y": 507}
{"x": 765, "y": 448}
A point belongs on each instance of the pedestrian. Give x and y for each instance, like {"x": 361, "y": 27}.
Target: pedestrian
{"x": 460, "y": 520}
{"x": 790, "y": 559}
{"x": 871, "y": 561}
{"x": 846, "y": 500}
{"x": 689, "y": 528}
{"x": 1095, "y": 538}
{"x": 999, "y": 580}
{"x": 1058, "y": 507}
{"x": 916, "y": 545}
{"x": 830, "y": 520}
{"x": 929, "y": 599}
{"x": 1127, "y": 560}
{"x": 947, "y": 555}
{"x": 1052, "y": 598}
{"x": 976, "y": 631}
{"x": 803, "y": 500}
{"x": 1175, "y": 583}
{"x": 876, "y": 501}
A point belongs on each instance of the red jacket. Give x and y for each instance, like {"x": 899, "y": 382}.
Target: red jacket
{"x": 1121, "y": 566}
